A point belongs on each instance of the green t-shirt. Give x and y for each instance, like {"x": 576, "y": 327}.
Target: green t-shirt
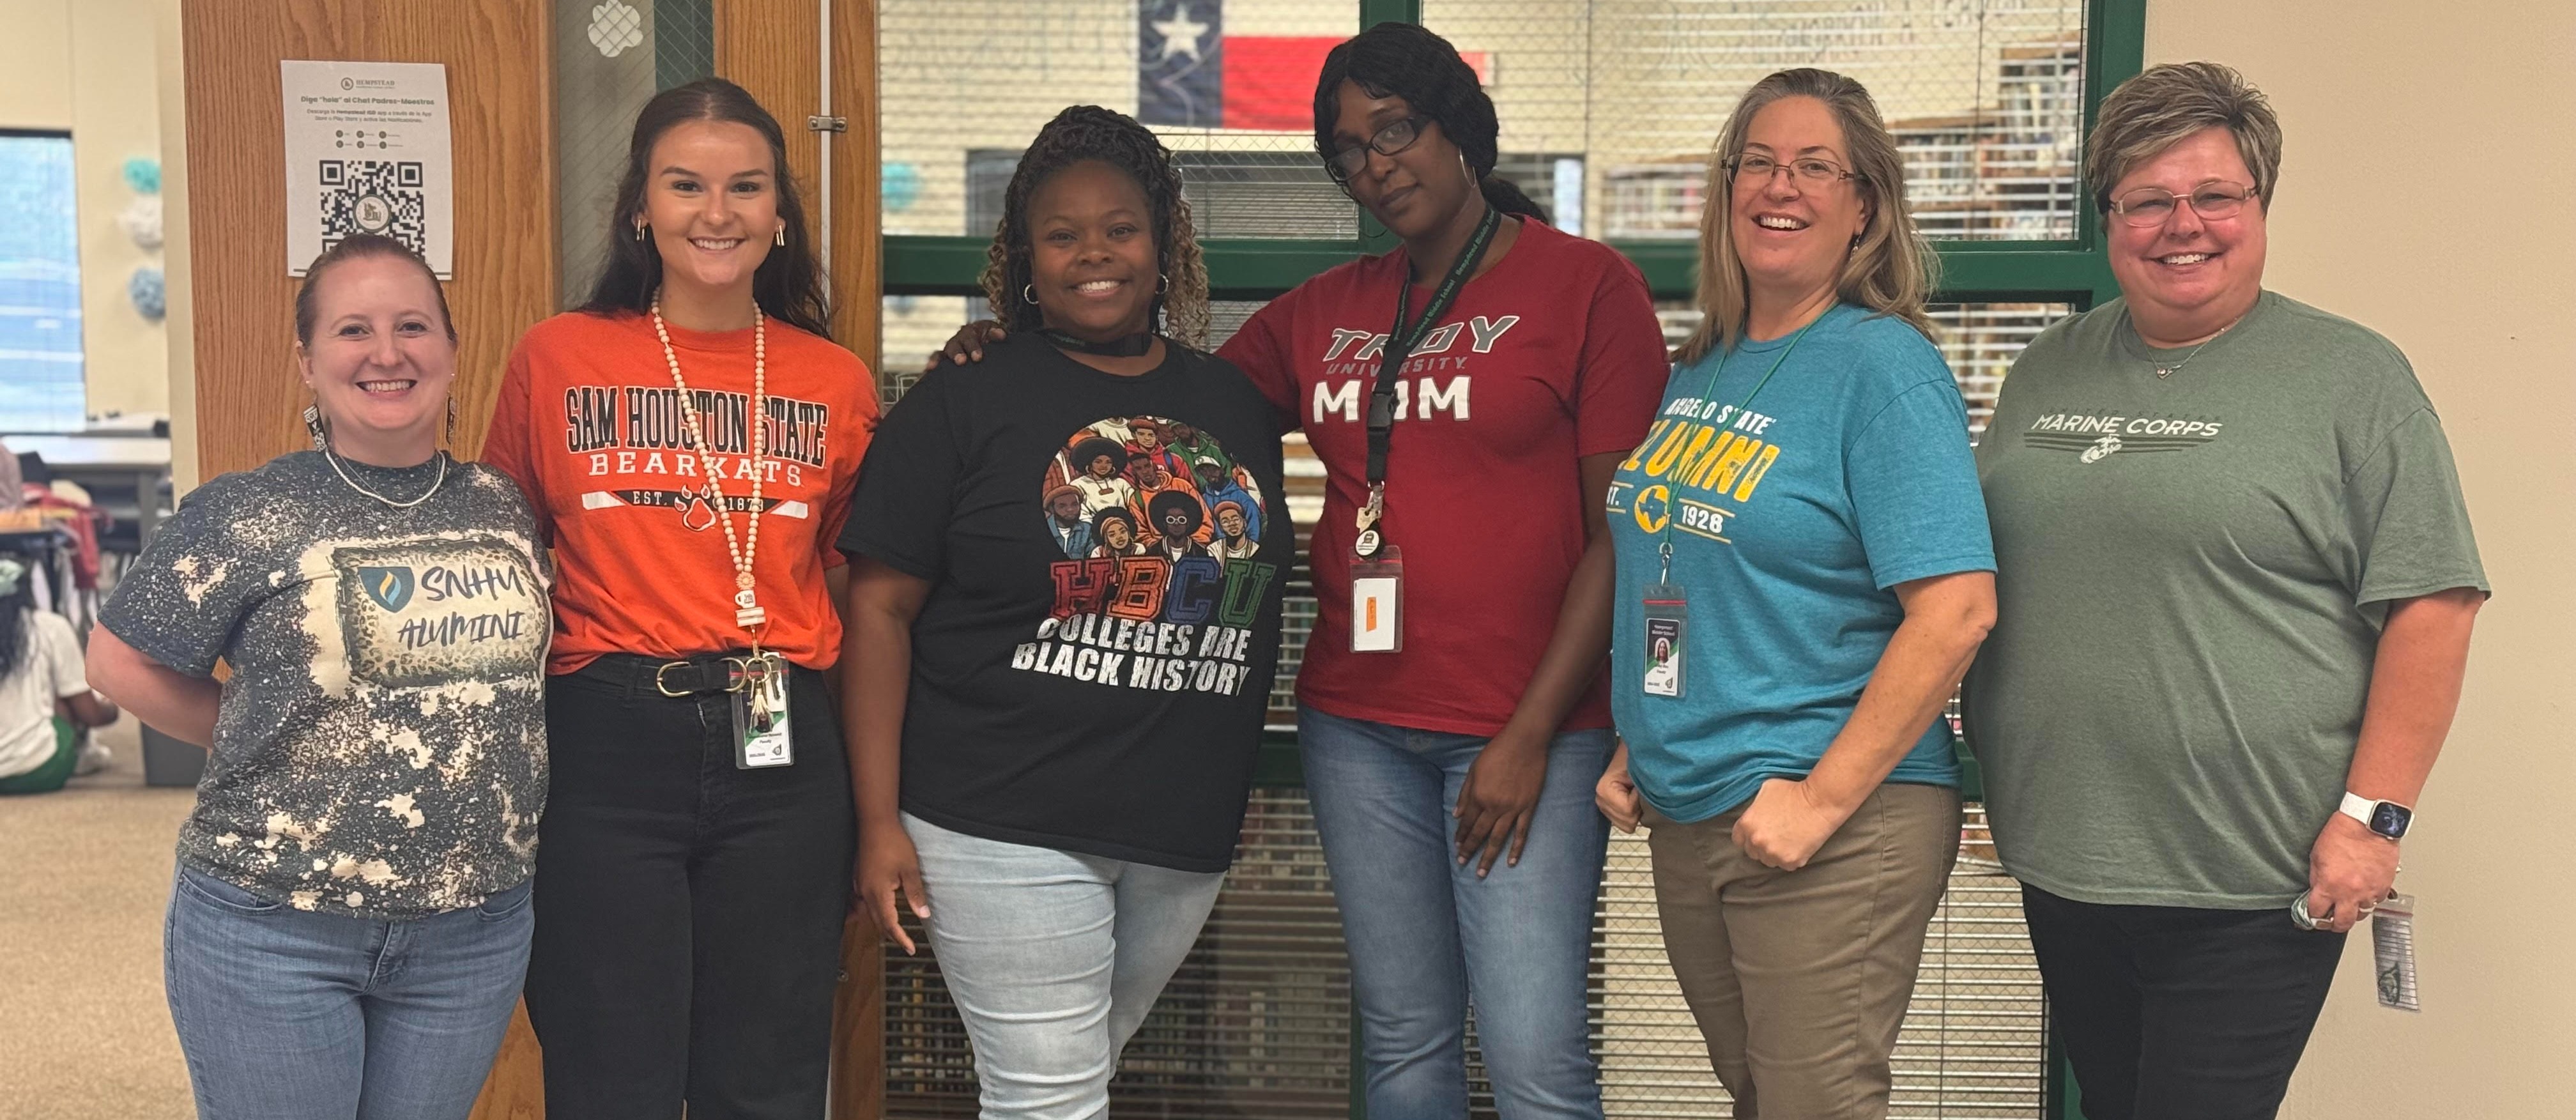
{"x": 2191, "y": 576}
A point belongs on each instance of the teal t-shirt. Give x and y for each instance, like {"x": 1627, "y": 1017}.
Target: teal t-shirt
{"x": 1791, "y": 518}
{"x": 2194, "y": 573}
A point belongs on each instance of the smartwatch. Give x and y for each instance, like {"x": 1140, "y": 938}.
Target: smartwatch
{"x": 2386, "y": 818}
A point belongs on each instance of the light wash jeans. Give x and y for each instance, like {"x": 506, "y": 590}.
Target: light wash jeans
{"x": 1425, "y": 932}
{"x": 290, "y": 1015}
{"x": 1053, "y": 958}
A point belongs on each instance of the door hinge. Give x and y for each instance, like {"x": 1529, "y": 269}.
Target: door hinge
{"x": 827, "y": 124}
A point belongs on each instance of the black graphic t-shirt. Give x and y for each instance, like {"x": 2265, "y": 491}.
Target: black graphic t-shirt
{"x": 380, "y": 746}
{"x": 1106, "y": 557}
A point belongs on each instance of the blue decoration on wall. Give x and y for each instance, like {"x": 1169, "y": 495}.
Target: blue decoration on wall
{"x": 145, "y": 289}
{"x": 900, "y": 183}
{"x": 143, "y": 173}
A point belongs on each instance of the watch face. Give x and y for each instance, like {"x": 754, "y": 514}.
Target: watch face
{"x": 2389, "y": 819}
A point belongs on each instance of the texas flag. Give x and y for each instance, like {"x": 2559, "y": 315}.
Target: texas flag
{"x": 1189, "y": 72}
{"x": 1180, "y": 62}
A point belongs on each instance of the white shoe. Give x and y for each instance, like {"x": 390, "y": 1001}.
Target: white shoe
{"x": 94, "y": 757}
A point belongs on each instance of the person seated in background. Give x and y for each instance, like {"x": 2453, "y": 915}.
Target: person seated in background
{"x": 44, "y": 697}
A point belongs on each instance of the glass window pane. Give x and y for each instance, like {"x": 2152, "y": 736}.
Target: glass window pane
{"x": 612, "y": 56}
{"x": 1229, "y": 86}
{"x": 41, "y": 386}
{"x": 1984, "y": 96}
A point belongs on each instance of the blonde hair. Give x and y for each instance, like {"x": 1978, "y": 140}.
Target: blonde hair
{"x": 1890, "y": 271}
{"x": 2165, "y": 105}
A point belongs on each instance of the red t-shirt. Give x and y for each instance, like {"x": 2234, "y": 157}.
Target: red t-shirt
{"x": 590, "y": 426}
{"x": 1551, "y": 355}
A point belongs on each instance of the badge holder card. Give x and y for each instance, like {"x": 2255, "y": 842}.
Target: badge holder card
{"x": 1377, "y": 602}
{"x": 1667, "y": 640}
{"x": 2392, "y": 945}
{"x": 760, "y": 724}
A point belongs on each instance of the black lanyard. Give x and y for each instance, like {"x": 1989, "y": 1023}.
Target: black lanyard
{"x": 1400, "y": 341}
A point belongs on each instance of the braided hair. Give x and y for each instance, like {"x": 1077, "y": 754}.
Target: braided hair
{"x": 1089, "y": 132}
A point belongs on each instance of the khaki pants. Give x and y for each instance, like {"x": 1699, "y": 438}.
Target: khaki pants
{"x": 1799, "y": 979}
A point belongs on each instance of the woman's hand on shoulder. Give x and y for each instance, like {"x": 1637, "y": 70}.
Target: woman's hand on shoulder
{"x": 967, "y": 345}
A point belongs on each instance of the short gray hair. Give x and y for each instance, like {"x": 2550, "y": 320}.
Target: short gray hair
{"x": 2165, "y": 105}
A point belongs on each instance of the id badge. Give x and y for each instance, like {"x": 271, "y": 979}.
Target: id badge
{"x": 1377, "y": 602}
{"x": 2392, "y": 951}
{"x": 760, "y": 723}
{"x": 1667, "y": 640}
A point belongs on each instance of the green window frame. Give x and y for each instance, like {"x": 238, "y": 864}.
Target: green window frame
{"x": 2075, "y": 271}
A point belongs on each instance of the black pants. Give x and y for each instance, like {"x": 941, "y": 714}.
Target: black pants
{"x": 2179, "y": 1013}
{"x": 688, "y": 913}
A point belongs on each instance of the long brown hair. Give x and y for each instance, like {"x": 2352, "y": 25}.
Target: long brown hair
{"x": 788, "y": 285}
{"x": 1891, "y": 270}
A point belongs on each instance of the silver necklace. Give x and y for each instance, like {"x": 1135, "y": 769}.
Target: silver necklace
{"x": 2163, "y": 372}
{"x": 434, "y": 484}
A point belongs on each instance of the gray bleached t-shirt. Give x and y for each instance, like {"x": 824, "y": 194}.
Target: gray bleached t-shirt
{"x": 2193, "y": 573}
{"x": 380, "y": 747}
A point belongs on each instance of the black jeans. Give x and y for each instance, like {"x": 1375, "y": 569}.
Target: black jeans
{"x": 2179, "y": 1013}
{"x": 688, "y": 913}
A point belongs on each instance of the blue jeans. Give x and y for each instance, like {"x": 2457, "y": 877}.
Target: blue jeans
{"x": 1053, "y": 958}
{"x": 291, "y": 1015}
{"x": 1425, "y": 932}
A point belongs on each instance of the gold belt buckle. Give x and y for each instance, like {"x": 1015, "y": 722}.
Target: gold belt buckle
{"x": 665, "y": 689}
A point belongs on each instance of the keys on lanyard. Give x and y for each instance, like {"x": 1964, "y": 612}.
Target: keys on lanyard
{"x": 1377, "y": 566}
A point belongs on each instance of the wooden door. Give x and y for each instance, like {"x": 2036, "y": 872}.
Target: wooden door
{"x": 773, "y": 48}
{"x": 499, "y": 85}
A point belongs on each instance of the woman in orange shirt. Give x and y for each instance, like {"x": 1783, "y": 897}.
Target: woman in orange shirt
{"x": 690, "y": 439}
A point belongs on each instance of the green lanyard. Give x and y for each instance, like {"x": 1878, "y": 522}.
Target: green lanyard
{"x": 1664, "y": 548}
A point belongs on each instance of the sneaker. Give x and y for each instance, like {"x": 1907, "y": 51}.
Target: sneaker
{"x": 94, "y": 757}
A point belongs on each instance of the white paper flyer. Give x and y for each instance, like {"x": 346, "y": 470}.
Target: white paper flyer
{"x": 367, "y": 152}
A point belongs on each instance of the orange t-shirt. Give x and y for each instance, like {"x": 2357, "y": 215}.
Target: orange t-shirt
{"x": 591, "y": 427}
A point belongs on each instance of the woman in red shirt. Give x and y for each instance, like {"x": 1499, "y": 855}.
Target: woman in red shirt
{"x": 1450, "y": 751}
{"x": 690, "y": 439}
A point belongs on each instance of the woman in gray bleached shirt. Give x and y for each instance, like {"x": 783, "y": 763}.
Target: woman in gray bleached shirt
{"x": 349, "y": 924}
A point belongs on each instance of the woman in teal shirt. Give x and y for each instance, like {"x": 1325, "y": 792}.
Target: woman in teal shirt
{"x": 1803, "y": 574}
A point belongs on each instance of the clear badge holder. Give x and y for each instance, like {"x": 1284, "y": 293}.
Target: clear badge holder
{"x": 1377, "y": 602}
{"x": 2392, "y": 950}
{"x": 1667, "y": 641}
{"x": 760, "y": 723}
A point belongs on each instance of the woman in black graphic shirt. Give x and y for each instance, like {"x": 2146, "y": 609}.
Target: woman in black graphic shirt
{"x": 1054, "y": 753}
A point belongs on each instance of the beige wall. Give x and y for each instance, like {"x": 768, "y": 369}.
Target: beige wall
{"x": 2472, "y": 278}
{"x": 167, "y": 56}
{"x": 36, "y": 64}
{"x": 87, "y": 66}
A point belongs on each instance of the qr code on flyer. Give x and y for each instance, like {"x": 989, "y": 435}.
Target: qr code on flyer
{"x": 374, "y": 196}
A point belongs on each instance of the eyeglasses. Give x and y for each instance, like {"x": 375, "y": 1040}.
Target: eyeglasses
{"x": 1393, "y": 138}
{"x": 1810, "y": 170}
{"x": 2148, "y": 207}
